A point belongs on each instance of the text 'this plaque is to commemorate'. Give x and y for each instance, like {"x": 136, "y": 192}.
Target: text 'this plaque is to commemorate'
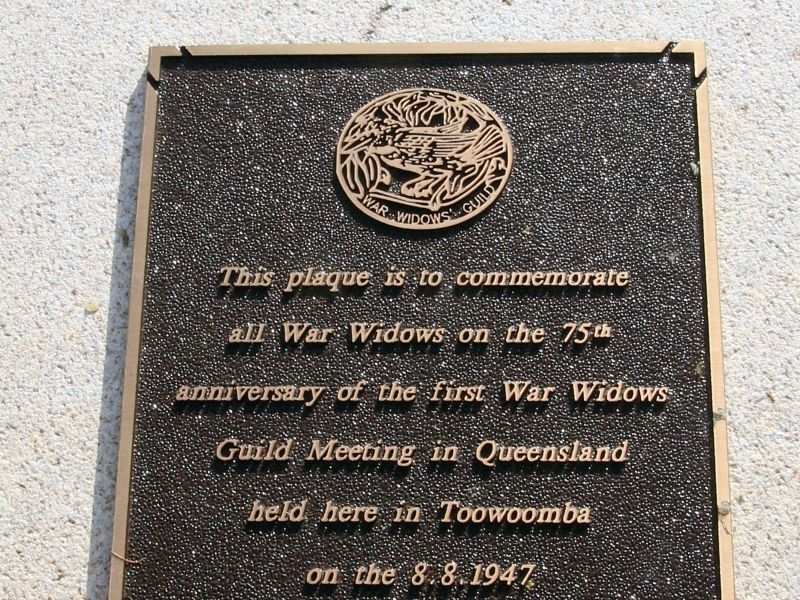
{"x": 424, "y": 321}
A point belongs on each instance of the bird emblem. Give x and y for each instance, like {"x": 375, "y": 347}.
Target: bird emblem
{"x": 424, "y": 149}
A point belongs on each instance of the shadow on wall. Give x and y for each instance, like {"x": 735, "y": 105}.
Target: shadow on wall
{"x": 117, "y": 319}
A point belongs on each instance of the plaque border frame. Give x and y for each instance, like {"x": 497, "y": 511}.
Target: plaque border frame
{"x": 693, "y": 48}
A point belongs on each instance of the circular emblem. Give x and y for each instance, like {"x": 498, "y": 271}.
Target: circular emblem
{"x": 423, "y": 158}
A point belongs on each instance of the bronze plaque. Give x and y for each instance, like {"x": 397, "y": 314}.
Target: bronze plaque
{"x": 424, "y": 321}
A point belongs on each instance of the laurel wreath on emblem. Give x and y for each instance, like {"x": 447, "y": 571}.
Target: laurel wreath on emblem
{"x": 423, "y": 148}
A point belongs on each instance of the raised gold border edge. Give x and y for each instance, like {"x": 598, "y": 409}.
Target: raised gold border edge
{"x": 155, "y": 56}
{"x": 119, "y": 540}
{"x": 720, "y": 427}
{"x": 698, "y": 50}
{"x": 433, "y": 48}
{"x": 158, "y": 53}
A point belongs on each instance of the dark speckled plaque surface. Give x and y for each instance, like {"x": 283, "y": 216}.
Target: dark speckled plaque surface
{"x": 244, "y": 175}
